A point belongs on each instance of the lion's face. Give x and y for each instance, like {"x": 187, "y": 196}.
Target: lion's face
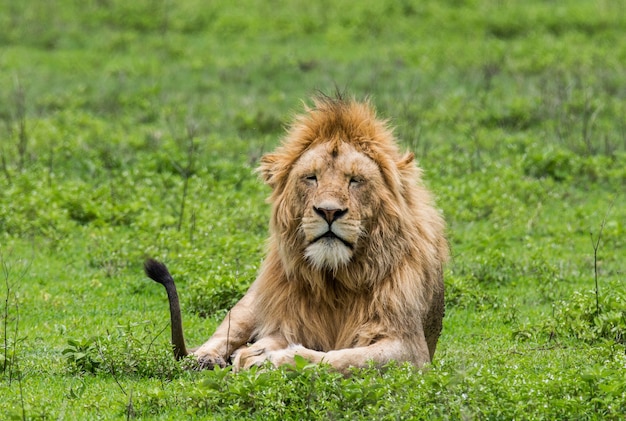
{"x": 335, "y": 186}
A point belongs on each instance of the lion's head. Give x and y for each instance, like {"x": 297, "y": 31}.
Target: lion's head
{"x": 345, "y": 200}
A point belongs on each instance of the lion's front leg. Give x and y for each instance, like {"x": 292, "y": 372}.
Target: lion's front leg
{"x": 379, "y": 353}
{"x": 233, "y": 333}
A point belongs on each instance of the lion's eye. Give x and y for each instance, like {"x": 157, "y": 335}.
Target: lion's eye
{"x": 311, "y": 178}
{"x": 356, "y": 180}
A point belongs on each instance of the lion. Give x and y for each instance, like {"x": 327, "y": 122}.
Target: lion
{"x": 353, "y": 273}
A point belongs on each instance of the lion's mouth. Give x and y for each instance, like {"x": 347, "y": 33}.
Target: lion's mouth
{"x": 333, "y": 236}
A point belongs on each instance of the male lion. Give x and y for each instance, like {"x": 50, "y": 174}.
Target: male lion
{"x": 354, "y": 267}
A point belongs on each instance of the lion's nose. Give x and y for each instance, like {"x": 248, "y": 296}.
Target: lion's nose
{"x": 330, "y": 215}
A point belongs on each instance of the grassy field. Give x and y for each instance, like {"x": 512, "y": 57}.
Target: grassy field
{"x": 131, "y": 129}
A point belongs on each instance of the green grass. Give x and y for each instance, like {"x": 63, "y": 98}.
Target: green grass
{"x": 515, "y": 111}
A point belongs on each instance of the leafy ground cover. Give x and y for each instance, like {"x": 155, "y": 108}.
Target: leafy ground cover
{"x": 131, "y": 129}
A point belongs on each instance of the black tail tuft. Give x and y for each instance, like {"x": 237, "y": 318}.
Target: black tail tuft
{"x": 157, "y": 271}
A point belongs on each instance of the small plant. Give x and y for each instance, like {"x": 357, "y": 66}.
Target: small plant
{"x": 589, "y": 316}
{"x": 11, "y": 315}
{"x": 9, "y": 361}
{"x": 126, "y": 351}
{"x": 596, "y": 245}
{"x": 578, "y": 317}
{"x": 83, "y": 355}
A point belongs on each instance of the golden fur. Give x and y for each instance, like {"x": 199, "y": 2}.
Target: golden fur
{"x": 353, "y": 271}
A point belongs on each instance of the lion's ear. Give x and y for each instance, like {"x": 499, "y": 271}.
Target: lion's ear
{"x": 408, "y": 168}
{"x": 267, "y": 169}
{"x": 406, "y": 161}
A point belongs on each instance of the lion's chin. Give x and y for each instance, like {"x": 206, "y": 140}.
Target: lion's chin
{"x": 328, "y": 253}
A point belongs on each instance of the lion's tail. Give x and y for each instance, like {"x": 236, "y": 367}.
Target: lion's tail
{"x": 158, "y": 272}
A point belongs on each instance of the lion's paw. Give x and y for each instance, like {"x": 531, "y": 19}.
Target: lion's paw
{"x": 251, "y": 356}
{"x": 208, "y": 359}
{"x": 286, "y": 356}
